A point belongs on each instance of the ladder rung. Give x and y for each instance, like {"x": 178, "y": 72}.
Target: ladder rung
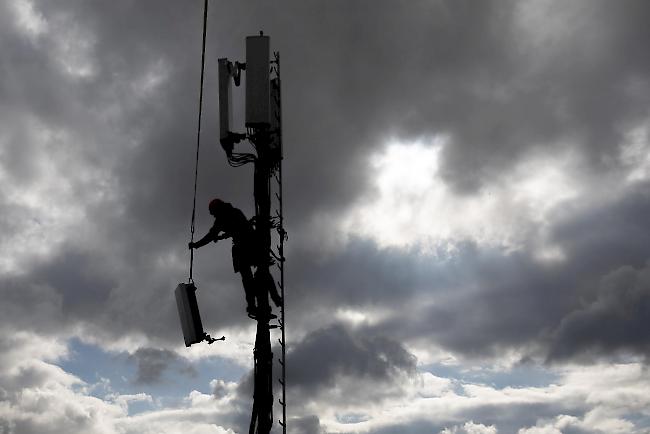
{"x": 281, "y": 382}
{"x": 281, "y": 362}
{"x": 281, "y": 343}
{"x": 280, "y": 422}
{"x": 281, "y": 403}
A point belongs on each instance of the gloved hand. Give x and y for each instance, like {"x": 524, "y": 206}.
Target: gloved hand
{"x": 190, "y": 245}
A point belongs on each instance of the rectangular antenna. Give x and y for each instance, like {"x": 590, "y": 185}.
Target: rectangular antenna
{"x": 225, "y": 96}
{"x": 257, "y": 82}
{"x": 188, "y": 311}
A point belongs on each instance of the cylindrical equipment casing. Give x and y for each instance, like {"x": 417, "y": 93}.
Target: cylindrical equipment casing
{"x": 257, "y": 82}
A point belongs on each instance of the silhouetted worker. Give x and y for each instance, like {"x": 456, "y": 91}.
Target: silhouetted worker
{"x": 230, "y": 222}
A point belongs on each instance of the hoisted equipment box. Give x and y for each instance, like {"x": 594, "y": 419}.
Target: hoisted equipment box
{"x": 188, "y": 311}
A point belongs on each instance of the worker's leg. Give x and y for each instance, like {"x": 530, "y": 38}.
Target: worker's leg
{"x": 249, "y": 287}
{"x": 266, "y": 286}
{"x": 273, "y": 291}
{"x": 240, "y": 266}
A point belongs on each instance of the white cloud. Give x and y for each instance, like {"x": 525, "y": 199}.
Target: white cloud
{"x": 69, "y": 43}
{"x": 366, "y": 316}
{"x": 413, "y": 206}
{"x": 124, "y": 400}
{"x": 27, "y": 18}
{"x": 608, "y": 395}
{"x": 41, "y": 397}
{"x": 38, "y": 397}
{"x": 238, "y": 347}
{"x": 470, "y": 428}
{"x": 590, "y": 423}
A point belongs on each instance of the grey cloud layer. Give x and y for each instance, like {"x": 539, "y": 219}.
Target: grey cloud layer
{"x": 499, "y": 79}
{"x": 441, "y": 73}
{"x": 484, "y": 301}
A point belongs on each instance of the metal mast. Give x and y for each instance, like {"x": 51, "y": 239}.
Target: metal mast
{"x": 276, "y": 102}
{"x": 263, "y": 131}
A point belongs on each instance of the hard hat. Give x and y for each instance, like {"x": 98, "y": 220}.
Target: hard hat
{"x": 214, "y": 205}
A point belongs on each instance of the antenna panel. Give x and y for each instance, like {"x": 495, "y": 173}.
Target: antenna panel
{"x": 225, "y": 96}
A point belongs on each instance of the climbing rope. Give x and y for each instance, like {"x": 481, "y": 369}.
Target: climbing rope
{"x": 198, "y": 137}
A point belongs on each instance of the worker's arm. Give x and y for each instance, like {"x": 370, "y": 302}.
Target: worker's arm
{"x": 202, "y": 242}
{"x": 210, "y": 236}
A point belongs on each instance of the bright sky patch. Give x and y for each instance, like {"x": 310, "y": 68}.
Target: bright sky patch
{"x": 411, "y": 204}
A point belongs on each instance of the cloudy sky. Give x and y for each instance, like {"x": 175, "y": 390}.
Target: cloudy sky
{"x": 467, "y": 196}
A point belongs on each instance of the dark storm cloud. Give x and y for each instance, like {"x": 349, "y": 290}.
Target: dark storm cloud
{"x": 611, "y": 247}
{"x": 615, "y": 320}
{"x": 408, "y": 69}
{"x": 457, "y": 69}
{"x": 372, "y": 75}
{"x": 612, "y": 234}
{"x": 81, "y": 281}
{"x": 326, "y": 355}
{"x": 152, "y": 364}
{"x": 336, "y": 357}
{"x": 330, "y": 357}
{"x": 352, "y": 75}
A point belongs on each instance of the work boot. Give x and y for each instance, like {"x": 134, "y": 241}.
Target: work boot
{"x": 271, "y": 315}
{"x": 257, "y": 314}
